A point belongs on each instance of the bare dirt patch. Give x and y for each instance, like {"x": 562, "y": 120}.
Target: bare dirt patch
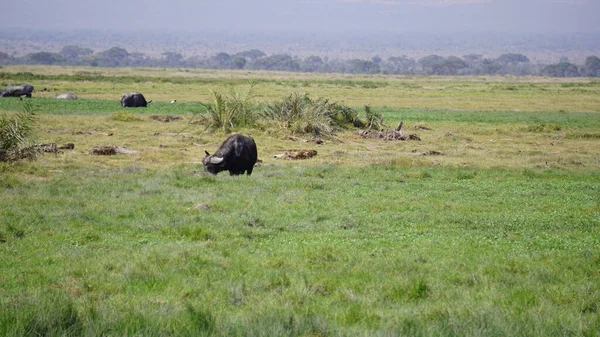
{"x": 165, "y": 118}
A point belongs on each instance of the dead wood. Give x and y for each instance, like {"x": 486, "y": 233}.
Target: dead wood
{"x": 388, "y": 135}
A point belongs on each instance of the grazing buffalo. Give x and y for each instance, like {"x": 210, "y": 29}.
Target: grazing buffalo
{"x": 17, "y": 91}
{"x": 236, "y": 155}
{"x": 67, "y": 95}
{"x": 133, "y": 100}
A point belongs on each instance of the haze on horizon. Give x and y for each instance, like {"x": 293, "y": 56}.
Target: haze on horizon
{"x": 314, "y": 16}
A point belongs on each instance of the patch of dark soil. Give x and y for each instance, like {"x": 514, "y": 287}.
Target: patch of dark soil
{"x": 165, "y": 118}
{"x": 109, "y": 150}
{"x": 92, "y": 132}
{"x": 428, "y": 153}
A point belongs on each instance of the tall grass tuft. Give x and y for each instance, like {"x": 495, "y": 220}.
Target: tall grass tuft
{"x": 304, "y": 115}
{"x": 286, "y": 110}
{"x": 228, "y": 112}
{"x": 17, "y": 134}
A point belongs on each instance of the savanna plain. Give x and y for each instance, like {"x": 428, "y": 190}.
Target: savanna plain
{"x": 488, "y": 226}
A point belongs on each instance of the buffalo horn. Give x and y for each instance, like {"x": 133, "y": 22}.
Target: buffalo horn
{"x": 216, "y": 160}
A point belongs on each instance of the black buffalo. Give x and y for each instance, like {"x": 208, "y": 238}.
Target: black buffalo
{"x": 133, "y": 100}
{"x": 17, "y": 91}
{"x": 236, "y": 155}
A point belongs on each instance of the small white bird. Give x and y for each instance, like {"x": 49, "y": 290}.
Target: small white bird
{"x": 173, "y": 101}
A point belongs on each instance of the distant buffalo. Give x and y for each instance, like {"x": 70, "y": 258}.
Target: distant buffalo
{"x": 133, "y": 100}
{"x": 67, "y": 95}
{"x": 17, "y": 91}
{"x": 236, "y": 155}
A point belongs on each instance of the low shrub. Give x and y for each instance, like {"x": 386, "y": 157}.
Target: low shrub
{"x": 17, "y": 134}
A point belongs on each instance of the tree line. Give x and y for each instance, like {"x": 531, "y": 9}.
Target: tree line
{"x": 254, "y": 59}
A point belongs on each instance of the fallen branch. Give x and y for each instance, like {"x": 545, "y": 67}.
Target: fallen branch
{"x": 388, "y": 135}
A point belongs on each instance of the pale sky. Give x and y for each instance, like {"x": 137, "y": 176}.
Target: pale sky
{"x": 432, "y": 16}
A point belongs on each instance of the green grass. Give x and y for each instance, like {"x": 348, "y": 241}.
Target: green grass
{"x": 498, "y": 236}
{"x": 481, "y": 93}
{"x": 341, "y": 250}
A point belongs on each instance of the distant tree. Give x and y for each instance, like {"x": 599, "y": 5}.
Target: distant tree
{"x": 430, "y": 63}
{"x": 399, "y": 65}
{"x": 141, "y": 59}
{"x": 45, "y": 58}
{"x": 357, "y": 66}
{"x": 506, "y": 59}
{"x": 311, "y": 64}
{"x": 561, "y": 69}
{"x": 115, "y": 53}
{"x": 74, "y": 52}
{"x": 94, "y": 60}
{"x": 238, "y": 62}
{"x": 277, "y": 62}
{"x": 251, "y": 54}
{"x": 490, "y": 66}
{"x": 115, "y": 56}
{"x": 592, "y": 66}
{"x": 172, "y": 58}
{"x": 450, "y": 66}
{"x": 473, "y": 58}
{"x": 223, "y": 57}
{"x": 376, "y": 59}
{"x": 5, "y": 58}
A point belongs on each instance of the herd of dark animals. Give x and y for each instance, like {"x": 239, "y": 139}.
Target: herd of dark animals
{"x": 237, "y": 154}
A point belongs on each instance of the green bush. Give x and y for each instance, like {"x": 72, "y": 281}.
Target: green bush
{"x": 227, "y": 112}
{"x": 17, "y": 133}
{"x": 125, "y": 116}
{"x": 319, "y": 117}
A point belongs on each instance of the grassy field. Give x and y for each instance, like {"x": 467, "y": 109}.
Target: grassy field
{"x": 499, "y": 235}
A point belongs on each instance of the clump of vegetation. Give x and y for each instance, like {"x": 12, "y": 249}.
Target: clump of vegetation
{"x": 319, "y": 117}
{"x": 301, "y": 114}
{"x": 374, "y": 119}
{"x": 125, "y": 116}
{"x": 17, "y": 133}
{"x": 227, "y": 112}
{"x": 298, "y": 113}
{"x": 544, "y": 127}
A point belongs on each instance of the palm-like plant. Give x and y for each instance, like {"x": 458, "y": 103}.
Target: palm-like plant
{"x": 17, "y": 133}
{"x": 227, "y": 112}
{"x": 286, "y": 110}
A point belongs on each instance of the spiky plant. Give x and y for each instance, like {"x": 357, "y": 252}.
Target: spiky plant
{"x": 301, "y": 114}
{"x": 286, "y": 110}
{"x": 315, "y": 119}
{"x": 227, "y": 112}
{"x": 17, "y": 133}
{"x": 374, "y": 119}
